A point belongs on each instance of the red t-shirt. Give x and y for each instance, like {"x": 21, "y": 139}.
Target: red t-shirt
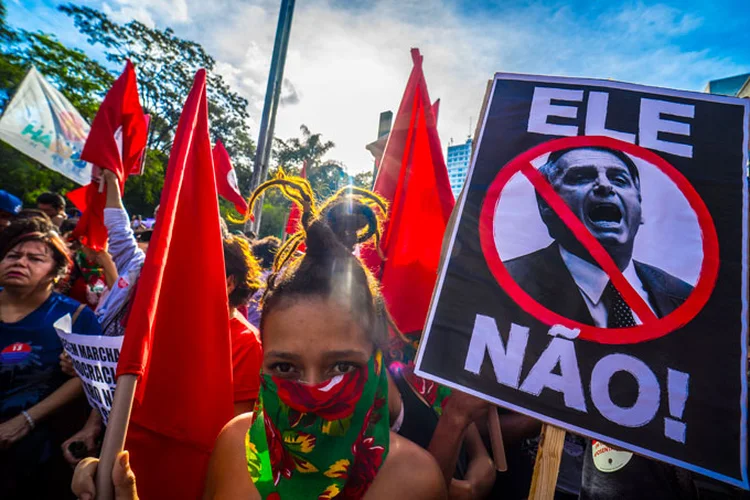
{"x": 247, "y": 356}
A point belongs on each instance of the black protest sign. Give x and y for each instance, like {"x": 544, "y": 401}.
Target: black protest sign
{"x": 597, "y": 276}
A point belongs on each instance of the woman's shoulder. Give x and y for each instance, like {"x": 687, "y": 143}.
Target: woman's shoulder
{"x": 85, "y": 322}
{"x": 228, "y": 476}
{"x": 410, "y": 471}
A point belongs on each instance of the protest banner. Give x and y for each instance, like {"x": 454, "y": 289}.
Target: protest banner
{"x": 95, "y": 361}
{"x": 597, "y": 276}
{"x": 41, "y": 123}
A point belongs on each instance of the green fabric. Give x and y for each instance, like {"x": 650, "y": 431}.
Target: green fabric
{"x": 297, "y": 455}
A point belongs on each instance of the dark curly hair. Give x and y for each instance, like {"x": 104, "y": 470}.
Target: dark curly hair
{"x": 328, "y": 267}
{"x": 265, "y": 250}
{"x": 37, "y": 229}
{"x": 242, "y": 266}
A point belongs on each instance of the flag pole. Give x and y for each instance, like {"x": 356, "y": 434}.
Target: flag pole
{"x": 114, "y": 436}
{"x": 273, "y": 93}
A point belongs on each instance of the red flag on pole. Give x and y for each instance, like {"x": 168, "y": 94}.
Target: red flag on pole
{"x": 116, "y": 142}
{"x": 414, "y": 178}
{"x": 226, "y": 178}
{"x": 178, "y": 342}
{"x": 292, "y": 223}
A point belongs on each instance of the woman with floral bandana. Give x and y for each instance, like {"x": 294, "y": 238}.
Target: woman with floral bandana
{"x": 320, "y": 428}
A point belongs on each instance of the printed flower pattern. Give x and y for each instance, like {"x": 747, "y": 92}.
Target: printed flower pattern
{"x": 330, "y": 439}
{"x": 334, "y": 399}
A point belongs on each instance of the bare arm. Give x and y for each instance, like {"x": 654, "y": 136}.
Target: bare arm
{"x": 480, "y": 476}
{"x": 227, "y": 475}
{"x": 108, "y": 266}
{"x": 16, "y": 428}
{"x": 113, "y": 190}
{"x": 64, "y": 394}
{"x": 408, "y": 472}
{"x": 460, "y": 411}
{"x": 122, "y": 244}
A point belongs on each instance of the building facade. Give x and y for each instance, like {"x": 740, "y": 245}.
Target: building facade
{"x": 457, "y": 162}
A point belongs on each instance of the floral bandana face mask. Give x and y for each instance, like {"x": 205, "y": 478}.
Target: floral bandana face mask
{"x": 321, "y": 441}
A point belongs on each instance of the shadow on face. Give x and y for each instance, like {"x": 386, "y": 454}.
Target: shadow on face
{"x": 27, "y": 265}
{"x": 312, "y": 339}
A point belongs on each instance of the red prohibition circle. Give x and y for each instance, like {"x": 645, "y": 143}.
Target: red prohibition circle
{"x": 632, "y": 335}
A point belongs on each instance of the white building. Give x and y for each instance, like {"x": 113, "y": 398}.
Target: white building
{"x": 458, "y": 165}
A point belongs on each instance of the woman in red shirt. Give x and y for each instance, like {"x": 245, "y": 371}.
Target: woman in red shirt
{"x": 243, "y": 280}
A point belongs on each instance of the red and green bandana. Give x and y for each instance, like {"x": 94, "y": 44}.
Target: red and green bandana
{"x": 319, "y": 442}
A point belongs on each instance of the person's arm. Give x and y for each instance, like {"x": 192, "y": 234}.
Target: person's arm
{"x": 18, "y": 427}
{"x": 480, "y": 475}
{"x": 460, "y": 411}
{"x": 87, "y": 435}
{"x": 227, "y": 476}
{"x": 408, "y": 472}
{"x": 108, "y": 266}
{"x": 122, "y": 244}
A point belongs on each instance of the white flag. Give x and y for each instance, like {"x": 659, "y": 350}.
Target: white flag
{"x": 41, "y": 123}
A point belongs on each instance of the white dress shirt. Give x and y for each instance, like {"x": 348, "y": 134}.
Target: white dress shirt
{"x": 592, "y": 280}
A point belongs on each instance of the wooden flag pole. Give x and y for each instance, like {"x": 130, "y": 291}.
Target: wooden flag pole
{"x": 496, "y": 439}
{"x": 547, "y": 465}
{"x": 114, "y": 437}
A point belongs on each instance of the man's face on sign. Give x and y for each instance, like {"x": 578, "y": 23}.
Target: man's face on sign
{"x": 601, "y": 192}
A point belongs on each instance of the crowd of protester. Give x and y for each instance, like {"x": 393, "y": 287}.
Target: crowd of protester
{"x": 300, "y": 323}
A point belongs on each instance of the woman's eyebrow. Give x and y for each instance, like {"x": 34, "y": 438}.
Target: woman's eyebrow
{"x": 346, "y": 353}
{"x": 288, "y": 356}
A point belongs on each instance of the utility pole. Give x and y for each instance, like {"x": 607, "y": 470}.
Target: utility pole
{"x": 273, "y": 93}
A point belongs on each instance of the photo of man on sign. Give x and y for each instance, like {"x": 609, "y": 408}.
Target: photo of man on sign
{"x": 602, "y": 187}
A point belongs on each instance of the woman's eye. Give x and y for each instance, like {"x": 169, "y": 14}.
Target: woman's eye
{"x": 283, "y": 368}
{"x": 343, "y": 367}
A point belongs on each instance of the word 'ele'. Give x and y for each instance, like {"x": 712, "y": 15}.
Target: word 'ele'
{"x": 652, "y": 121}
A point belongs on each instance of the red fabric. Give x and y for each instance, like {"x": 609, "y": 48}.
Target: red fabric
{"x": 116, "y": 142}
{"x": 177, "y": 342}
{"x": 247, "y": 357}
{"x": 414, "y": 178}
{"x": 292, "y": 223}
{"x": 226, "y": 178}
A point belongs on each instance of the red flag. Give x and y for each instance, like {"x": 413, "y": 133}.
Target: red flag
{"x": 226, "y": 178}
{"x": 116, "y": 142}
{"x": 178, "y": 342}
{"x": 414, "y": 178}
{"x": 292, "y": 223}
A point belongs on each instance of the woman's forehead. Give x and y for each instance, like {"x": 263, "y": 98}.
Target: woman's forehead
{"x": 313, "y": 322}
{"x": 32, "y": 247}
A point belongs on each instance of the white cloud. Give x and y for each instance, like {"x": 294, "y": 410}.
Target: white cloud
{"x": 348, "y": 61}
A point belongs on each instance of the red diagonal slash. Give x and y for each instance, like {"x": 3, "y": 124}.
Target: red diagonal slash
{"x": 597, "y": 251}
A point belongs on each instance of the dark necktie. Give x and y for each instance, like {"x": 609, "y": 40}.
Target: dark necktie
{"x": 619, "y": 314}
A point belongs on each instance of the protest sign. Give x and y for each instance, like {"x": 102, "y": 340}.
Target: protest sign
{"x": 597, "y": 276}
{"x": 41, "y": 123}
{"x": 95, "y": 361}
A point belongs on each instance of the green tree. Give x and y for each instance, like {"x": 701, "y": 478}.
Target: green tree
{"x": 363, "y": 180}
{"x": 82, "y": 80}
{"x": 166, "y": 65}
{"x": 325, "y": 176}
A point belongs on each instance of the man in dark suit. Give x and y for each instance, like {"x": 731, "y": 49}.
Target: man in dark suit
{"x": 602, "y": 187}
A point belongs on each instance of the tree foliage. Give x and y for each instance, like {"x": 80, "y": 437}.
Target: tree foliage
{"x": 82, "y": 80}
{"x": 166, "y": 65}
{"x": 325, "y": 176}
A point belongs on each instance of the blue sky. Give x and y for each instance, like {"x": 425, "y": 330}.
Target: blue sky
{"x": 349, "y": 59}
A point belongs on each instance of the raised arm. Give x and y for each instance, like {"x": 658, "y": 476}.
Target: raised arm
{"x": 122, "y": 244}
